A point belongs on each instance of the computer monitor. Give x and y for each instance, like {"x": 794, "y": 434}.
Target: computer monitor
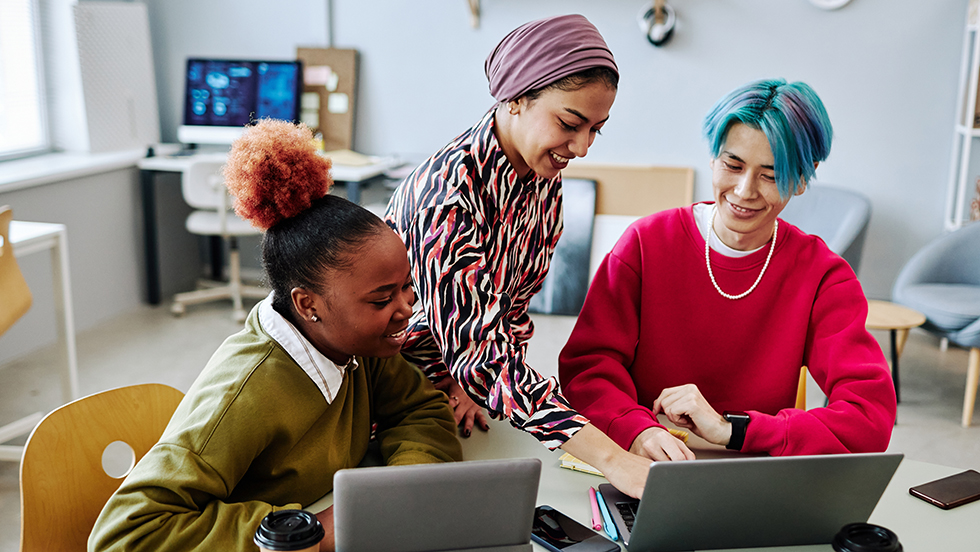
{"x": 222, "y": 96}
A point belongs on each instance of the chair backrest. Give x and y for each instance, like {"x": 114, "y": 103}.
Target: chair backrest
{"x": 63, "y": 484}
{"x": 203, "y": 185}
{"x": 952, "y": 258}
{"x": 13, "y": 288}
{"x": 837, "y": 215}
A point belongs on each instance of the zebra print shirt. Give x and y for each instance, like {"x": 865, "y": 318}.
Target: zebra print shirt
{"x": 480, "y": 241}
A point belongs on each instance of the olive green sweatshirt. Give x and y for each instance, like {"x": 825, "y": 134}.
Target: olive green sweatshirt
{"x": 256, "y": 434}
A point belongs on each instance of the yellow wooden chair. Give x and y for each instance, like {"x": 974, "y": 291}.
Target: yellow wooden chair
{"x": 801, "y": 390}
{"x": 63, "y": 485}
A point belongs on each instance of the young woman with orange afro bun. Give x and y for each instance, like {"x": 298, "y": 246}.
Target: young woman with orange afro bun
{"x": 289, "y": 400}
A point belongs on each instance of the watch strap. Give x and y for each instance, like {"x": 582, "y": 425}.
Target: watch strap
{"x": 740, "y": 424}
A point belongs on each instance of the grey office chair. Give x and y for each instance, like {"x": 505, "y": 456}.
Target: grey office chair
{"x": 838, "y": 215}
{"x": 204, "y": 189}
{"x": 942, "y": 281}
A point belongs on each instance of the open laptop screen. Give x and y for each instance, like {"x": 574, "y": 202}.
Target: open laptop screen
{"x": 752, "y": 502}
{"x": 454, "y": 506}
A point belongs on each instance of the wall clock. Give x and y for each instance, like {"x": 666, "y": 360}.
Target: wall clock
{"x": 829, "y": 4}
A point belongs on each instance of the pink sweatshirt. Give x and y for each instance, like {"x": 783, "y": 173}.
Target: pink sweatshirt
{"x": 653, "y": 320}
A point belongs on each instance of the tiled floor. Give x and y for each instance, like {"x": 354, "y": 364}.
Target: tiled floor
{"x": 149, "y": 345}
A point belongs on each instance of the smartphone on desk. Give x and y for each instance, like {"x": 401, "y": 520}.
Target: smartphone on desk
{"x": 560, "y": 533}
{"x": 950, "y": 492}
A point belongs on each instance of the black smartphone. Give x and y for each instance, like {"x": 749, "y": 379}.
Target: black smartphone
{"x": 950, "y": 492}
{"x": 560, "y": 533}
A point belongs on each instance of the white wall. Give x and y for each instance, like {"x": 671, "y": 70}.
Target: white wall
{"x": 105, "y": 251}
{"x": 887, "y": 72}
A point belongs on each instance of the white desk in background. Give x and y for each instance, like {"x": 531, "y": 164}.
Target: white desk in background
{"x": 32, "y": 237}
{"x": 921, "y": 527}
{"x": 352, "y": 176}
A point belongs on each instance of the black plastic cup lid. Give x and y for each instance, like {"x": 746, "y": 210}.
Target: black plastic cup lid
{"x": 289, "y": 530}
{"x": 865, "y": 537}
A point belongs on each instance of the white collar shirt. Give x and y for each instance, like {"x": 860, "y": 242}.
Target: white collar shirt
{"x": 326, "y": 374}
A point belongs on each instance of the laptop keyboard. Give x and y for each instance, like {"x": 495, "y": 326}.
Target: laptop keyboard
{"x": 628, "y": 511}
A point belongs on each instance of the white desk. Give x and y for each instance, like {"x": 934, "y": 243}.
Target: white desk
{"x": 920, "y": 526}
{"x": 32, "y": 237}
{"x": 352, "y": 176}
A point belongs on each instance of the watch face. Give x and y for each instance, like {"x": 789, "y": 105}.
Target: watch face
{"x": 728, "y": 415}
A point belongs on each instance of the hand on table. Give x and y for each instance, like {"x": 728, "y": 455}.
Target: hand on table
{"x": 656, "y": 443}
{"x": 627, "y": 472}
{"x": 686, "y": 407}
{"x": 465, "y": 410}
{"x": 326, "y": 519}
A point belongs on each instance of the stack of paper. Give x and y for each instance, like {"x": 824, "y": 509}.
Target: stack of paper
{"x": 570, "y": 462}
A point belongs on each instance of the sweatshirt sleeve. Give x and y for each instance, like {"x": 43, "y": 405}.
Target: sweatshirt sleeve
{"x": 592, "y": 366}
{"x": 415, "y": 423}
{"x": 173, "y": 500}
{"x": 849, "y": 366}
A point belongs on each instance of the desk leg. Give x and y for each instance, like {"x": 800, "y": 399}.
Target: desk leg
{"x": 65, "y": 315}
{"x": 216, "y": 249}
{"x": 894, "y": 344}
{"x": 150, "y": 250}
{"x": 354, "y": 192}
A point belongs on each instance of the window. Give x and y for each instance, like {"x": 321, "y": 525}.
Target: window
{"x": 23, "y": 127}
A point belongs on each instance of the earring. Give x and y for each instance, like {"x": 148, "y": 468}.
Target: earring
{"x": 314, "y": 319}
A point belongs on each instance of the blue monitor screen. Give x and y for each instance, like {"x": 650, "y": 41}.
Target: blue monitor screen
{"x": 235, "y": 93}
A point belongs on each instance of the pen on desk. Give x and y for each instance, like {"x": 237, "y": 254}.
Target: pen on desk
{"x": 596, "y": 516}
{"x": 608, "y": 525}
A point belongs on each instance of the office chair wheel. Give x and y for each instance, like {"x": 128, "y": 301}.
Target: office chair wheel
{"x": 178, "y": 309}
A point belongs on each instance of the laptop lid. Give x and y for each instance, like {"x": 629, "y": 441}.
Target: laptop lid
{"x": 753, "y": 502}
{"x": 479, "y": 505}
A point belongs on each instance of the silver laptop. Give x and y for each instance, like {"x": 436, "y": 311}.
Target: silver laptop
{"x": 750, "y": 502}
{"x": 484, "y": 506}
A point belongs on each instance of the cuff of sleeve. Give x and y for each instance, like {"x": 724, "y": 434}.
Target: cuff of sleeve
{"x": 553, "y": 423}
{"x": 765, "y": 434}
{"x": 413, "y": 457}
{"x": 624, "y": 429}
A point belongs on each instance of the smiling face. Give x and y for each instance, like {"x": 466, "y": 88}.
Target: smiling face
{"x": 542, "y": 134}
{"x": 744, "y": 185}
{"x": 365, "y": 308}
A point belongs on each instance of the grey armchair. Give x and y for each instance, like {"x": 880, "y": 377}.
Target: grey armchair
{"x": 838, "y": 215}
{"x": 942, "y": 281}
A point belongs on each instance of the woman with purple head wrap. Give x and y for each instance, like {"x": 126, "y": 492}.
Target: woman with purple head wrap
{"x": 481, "y": 219}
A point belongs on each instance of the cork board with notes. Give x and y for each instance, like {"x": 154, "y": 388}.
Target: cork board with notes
{"x": 329, "y": 94}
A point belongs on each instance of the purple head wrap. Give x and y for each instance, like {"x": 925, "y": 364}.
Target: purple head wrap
{"x": 541, "y": 52}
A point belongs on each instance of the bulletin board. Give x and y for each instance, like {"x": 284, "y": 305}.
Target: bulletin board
{"x": 329, "y": 94}
{"x": 636, "y": 190}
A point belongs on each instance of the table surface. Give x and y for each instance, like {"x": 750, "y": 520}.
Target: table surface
{"x": 920, "y": 526}
{"x": 23, "y": 232}
{"x": 884, "y": 315}
{"x": 341, "y": 173}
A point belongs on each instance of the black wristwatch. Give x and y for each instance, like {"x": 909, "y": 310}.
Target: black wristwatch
{"x": 740, "y": 423}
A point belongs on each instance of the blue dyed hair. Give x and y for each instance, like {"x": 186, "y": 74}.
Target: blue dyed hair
{"x": 790, "y": 115}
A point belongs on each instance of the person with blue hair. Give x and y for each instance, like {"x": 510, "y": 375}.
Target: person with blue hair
{"x": 706, "y": 313}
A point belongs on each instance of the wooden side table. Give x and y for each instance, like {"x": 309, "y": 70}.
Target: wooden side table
{"x": 898, "y": 320}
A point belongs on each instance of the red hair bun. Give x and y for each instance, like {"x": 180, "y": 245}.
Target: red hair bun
{"x": 275, "y": 173}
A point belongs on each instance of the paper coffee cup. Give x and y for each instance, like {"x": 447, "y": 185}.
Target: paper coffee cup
{"x": 865, "y": 537}
{"x": 289, "y": 531}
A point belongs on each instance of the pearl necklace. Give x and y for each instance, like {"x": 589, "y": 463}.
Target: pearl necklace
{"x": 707, "y": 258}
